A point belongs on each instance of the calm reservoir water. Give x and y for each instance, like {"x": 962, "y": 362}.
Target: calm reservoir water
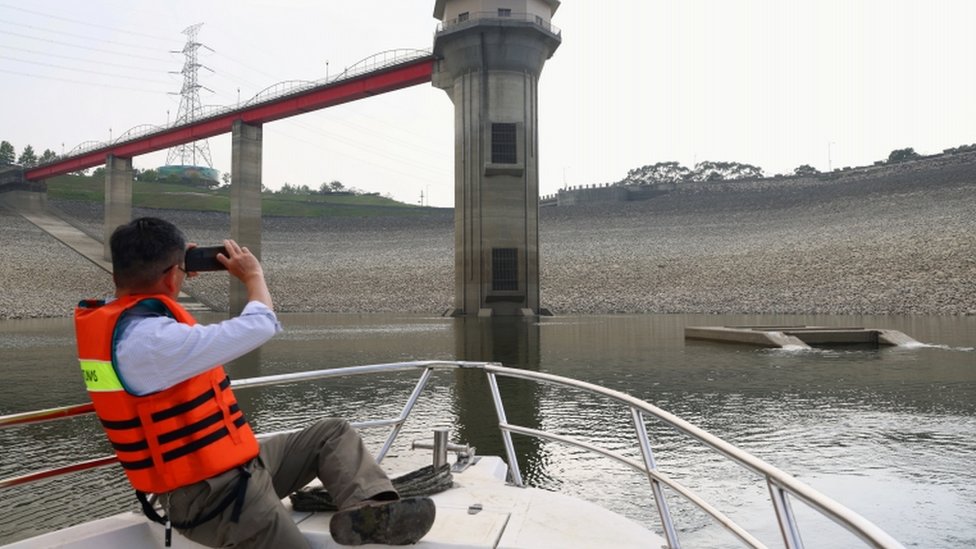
{"x": 889, "y": 432}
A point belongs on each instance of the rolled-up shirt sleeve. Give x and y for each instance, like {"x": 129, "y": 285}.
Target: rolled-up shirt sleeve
{"x": 157, "y": 352}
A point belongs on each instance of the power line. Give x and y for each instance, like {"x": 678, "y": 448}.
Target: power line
{"x": 82, "y": 37}
{"x": 39, "y": 63}
{"x": 97, "y": 85}
{"x": 86, "y": 23}
{"x": 343, "y": 138}
{"x": 372, "y": 160}
{"x": 83, "y": 60}
{"x": 48, "y": 40}
{"x": 367, "y": 145}
{"x": 386, "y": 133}
{"x": 370, "y": 147}
{"x": 248, "y": 67}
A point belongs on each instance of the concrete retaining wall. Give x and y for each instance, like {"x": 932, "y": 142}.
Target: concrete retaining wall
{"x": 924, "y": 168}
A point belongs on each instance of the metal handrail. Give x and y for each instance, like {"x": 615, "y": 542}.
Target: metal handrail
{"x": 781, "y": 485}
{"x": 77, "y": 410}
{"x": 780, "y": 482}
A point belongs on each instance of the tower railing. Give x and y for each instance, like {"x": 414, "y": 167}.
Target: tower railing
{"x": 475, "y": 17}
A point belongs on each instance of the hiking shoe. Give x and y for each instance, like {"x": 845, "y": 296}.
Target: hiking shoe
{"x": 399, "y": 522}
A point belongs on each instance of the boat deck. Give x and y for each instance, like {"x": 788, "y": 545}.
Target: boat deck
{"x": 479, "y": 511}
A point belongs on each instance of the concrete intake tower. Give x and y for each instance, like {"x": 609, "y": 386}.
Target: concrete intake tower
{"x": 491, "y": 53}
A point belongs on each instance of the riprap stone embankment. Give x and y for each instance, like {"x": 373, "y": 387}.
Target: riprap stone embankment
{"x": 901, "y": 241}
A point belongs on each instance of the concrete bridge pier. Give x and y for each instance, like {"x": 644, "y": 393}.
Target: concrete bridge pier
{"x": 245, "y": 199}
{"x": 118, "y": 197}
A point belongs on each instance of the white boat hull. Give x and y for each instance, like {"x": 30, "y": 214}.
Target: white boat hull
{"x": 481, "y": 510}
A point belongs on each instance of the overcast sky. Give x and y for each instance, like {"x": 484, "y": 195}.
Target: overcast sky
{"x": 775, "y": 83}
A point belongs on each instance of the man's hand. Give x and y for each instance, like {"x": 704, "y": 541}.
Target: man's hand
{"x": 242, "y": 264}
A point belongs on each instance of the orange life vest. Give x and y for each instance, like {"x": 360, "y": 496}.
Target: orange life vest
{"x": 175, "y": 437}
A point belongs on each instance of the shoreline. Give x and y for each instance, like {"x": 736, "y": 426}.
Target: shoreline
{"x": 853, "y": 245}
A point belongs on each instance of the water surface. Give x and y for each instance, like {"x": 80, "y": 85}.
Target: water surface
{"x": 888, "y": 432}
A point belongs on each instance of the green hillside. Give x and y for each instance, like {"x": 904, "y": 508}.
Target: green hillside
{"x": 185, "y": 197}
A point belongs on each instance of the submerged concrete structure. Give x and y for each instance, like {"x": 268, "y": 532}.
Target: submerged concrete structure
{"x": 18, "y": 193}
{"x": 799, "y": 337}
{"x": 491, "y": 53}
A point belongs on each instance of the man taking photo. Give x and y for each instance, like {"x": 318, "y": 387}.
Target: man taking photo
{"x": 159, "y": 388}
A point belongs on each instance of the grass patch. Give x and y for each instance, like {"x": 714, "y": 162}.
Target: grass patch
{"x": 172, "y": 196}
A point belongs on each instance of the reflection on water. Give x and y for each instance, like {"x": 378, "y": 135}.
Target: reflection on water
{"x": 887, "y": 432}
{"x": 511, "y": 342}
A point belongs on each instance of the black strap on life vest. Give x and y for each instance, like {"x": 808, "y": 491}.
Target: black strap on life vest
{"x": 236, "y": 497}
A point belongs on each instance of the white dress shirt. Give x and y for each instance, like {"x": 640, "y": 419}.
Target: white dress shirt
{"x": 156, "y": 352}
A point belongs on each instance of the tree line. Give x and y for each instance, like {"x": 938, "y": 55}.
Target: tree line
{"x": 28, "y": 158}
{"x": 674, "y": 172}
{"x": 332, "y": 187}
{"x": 661, "y": 172}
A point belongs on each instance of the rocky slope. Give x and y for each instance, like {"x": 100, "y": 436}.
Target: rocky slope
{"x": 893, "y": 240}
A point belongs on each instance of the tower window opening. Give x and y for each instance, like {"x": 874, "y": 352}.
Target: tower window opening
{"x": 463, "y": 16}
{"x": 504, "y": 269}
{"x": 503, "y": 144}
{"x": 504, "y": 12}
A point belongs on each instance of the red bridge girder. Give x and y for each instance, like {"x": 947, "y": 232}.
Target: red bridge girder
{"x": 385, "y": 80}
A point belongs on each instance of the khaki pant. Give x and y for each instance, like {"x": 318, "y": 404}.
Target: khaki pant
{"x": 330, "y": 449}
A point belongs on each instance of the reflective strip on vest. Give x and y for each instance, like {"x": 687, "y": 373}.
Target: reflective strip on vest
{"x": 100, "y": 376}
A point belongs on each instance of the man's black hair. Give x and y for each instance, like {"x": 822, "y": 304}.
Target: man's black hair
{"x": 143, "y": 249}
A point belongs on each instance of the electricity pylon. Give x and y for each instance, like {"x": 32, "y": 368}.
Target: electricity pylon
{"x": 188, "y": 154}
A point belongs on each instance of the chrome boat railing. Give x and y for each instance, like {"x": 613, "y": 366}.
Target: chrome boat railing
{"x": 781, "y": 485}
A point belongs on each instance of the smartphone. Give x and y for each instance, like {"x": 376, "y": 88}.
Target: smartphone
{"x": 204, "y": 259}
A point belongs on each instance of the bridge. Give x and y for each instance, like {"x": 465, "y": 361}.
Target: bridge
{"x": 381, "y": 73}
{"x": 384, "y": 72}
{"x": 488, "y": 62}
